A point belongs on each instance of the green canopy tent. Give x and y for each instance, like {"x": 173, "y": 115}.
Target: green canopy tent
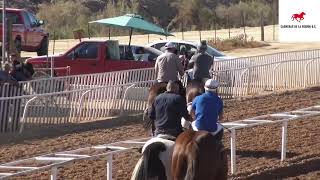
{"x": 133, "y": 21}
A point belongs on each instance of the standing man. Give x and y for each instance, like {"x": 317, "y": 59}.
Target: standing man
{"x": 168, "y": 65}
{"x": 167, "y": 111}
{"x": 208, "y": 109}
{"x": 202, "y": 63}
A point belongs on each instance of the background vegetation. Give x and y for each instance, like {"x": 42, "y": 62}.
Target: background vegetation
{"x": 64, "y": 16}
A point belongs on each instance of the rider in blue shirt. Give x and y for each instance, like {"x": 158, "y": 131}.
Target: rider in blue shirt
{"x": 208, "y": 109}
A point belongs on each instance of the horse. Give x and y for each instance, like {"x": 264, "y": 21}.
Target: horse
{"x": 298, "y": 17}
{"x": 190, "y": 146}
{"x": 197, "y": 155}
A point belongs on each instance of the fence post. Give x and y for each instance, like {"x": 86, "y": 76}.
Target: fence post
{"x": 284, "y": 140}
{"x": 54, "y": 173}
{"x": 124, "y": 97}
{"x": 233, "y": 151}
{"x": 25, "y": 111}
{"x": 109, "y": 167}
{"x": 249, "y": 81}
{"x": 306, "y": 72}
{"x": 274, "y": 76}
{"x": 262, "y": 26}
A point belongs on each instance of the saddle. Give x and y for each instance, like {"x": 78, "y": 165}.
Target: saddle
{"x": 167, "y": 137}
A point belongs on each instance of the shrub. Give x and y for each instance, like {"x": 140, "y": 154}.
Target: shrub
{"x": 240, "y": 41}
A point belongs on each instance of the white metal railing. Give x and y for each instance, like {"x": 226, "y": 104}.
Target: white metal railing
{"x": 73, "y": 105}
{"x": 54, "y": 160}
{"x": 281, "y": 118}
{"x": 65, "y": 83}
{"x": 265, "y": 59}
{"x": 100, "y": 95}
{"x": 284, "y": 75}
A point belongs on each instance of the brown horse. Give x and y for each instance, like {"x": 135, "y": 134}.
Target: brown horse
{"x": 196, "y": 155}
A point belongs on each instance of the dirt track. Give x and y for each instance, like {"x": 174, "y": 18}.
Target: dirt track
{"x": 258, "y": 155}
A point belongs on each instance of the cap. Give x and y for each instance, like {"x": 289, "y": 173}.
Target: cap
{"x": 211, "y": 84}
{"x": 202, "y": 45}
{"x": 170, "y": 45}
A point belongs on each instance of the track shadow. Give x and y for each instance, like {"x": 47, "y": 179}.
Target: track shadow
{"x": 261, "y": 154}
{"x": 40, "y": 131}
{"x": 290, "y": 171}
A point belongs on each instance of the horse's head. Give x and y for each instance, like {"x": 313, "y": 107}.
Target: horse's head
{"x": 303, "y": 13}
{"x": 194, "y": 88}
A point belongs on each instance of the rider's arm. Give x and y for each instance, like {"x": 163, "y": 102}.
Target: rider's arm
{"x": 156, "y": 67}
{"x": 221, "y": 112}
{"x": 193, "y": 109}
{"x": 152, "y": 112}
{"x": 179, "y": 67}
{"x": 192, "y": 114}
{"x": 221, "y": 116}
{"x": 183, "y": 109}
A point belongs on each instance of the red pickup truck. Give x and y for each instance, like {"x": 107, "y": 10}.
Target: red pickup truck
{"x": 98, "y": 56}
{"x": 27, "y": 33}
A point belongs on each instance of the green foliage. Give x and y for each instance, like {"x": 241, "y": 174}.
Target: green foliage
{"x": 63, "y": 16}
{"x": 239, "y": 41}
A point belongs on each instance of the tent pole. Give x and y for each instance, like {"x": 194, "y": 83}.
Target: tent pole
{"x": 4, "y": 40}
{"x": 130, "y": 35}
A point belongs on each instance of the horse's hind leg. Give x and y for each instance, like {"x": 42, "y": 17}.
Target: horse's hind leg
{"x": 223, "y": 170}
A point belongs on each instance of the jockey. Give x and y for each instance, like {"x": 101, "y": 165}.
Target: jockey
{"x": 208, "y": 109}
{"x": 167, "y": 111}
{"x": 168, "y": 65}
{"x": 202, "y": 62}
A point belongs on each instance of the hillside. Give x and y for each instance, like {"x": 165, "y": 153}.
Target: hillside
{"x": 175, "y": 15}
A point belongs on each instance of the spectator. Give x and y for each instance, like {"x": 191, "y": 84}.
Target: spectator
{"x": 140, "y": 54}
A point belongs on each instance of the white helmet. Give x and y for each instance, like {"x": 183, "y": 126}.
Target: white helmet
{"x": 170, "y": 45}
{"x": 211, "y": 85}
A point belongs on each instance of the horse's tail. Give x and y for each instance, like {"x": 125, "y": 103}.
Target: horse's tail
{"x": 150, "y": 164}
{"x": 192, "y": 160}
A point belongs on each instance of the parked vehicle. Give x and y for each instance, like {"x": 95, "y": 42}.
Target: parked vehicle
{"x": 27, "y": 33}
{"x": 140, "y": 53}
{"x": 97, "y": 56}
{"x": 191, "y": 47}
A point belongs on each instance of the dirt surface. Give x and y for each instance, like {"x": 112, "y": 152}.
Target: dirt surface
{"x": 258, "y": 149}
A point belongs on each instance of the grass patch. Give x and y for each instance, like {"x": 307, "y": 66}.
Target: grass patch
{"x": 240, "y": 41}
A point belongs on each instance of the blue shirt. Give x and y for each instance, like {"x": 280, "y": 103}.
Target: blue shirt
{"x": 207, "y": 108}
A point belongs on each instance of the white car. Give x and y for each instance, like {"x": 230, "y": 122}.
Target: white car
{"x": 191, "y": 47}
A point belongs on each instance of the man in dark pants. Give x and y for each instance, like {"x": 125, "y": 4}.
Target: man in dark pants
{"x": 167, "y": 111}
